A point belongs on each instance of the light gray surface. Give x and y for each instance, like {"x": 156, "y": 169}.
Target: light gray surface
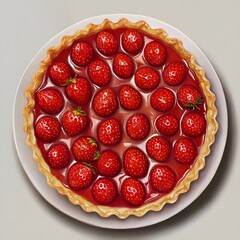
{"x": 27, "y": 25}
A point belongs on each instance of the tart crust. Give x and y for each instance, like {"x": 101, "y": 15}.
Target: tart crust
{"x": 192, "y": 175}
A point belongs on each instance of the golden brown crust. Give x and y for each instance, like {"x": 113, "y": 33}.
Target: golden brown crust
{"x": 193, "y": 173}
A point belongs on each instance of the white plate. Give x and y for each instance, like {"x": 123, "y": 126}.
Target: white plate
{"x": 61, "y": 202}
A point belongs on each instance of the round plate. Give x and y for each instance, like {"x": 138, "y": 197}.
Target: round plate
{"x": 61, "y": 203}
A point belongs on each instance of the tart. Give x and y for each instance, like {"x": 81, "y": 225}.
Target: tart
{"x": 120, "y": 118}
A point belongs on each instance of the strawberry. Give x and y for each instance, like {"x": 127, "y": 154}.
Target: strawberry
{"x": 58, "y": 156}
{"x": 147, "y": 78}
{"x": 133, "y": 191}
{"x": 188, "y": 96}
{"x": 138, "y": 126}
{"x": 162, "y": 99}
{"x": 104, "y": 191}
{"x": 99, "y": 72}
{"x": 107, "y": 43}
{"x": 155, "y": 53}
{"x": 193, "y": 124}
{"x": 60, "y": 72}
{"x": 79, "y": 176}
{"x": 174, "y": 73}
{"x": 132, "y": 41}
{"x": 109, "y": 132}
{"x": 85, "y": 149}
{"x": 82, "y": 53}
{"x": 184, "y": 150}
{"x": 123, "y": 66}
{"x": 158, "y": 148}
{"x": 105, "y": 102}
{"x": 135, "y": 162}
{"x": 79, "y": 90}
{"x": 163, "y": 178}
{"x": 108, "y": 164}
{"x": 50, "y": 100}
{"x": 167, "y": 124}
{"x": 74, "y": 121}
{"x": 129, "y": 98}
{"x": 47, "y": 128}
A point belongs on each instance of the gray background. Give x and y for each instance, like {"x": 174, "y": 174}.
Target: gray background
{"x": 25, "y": 26}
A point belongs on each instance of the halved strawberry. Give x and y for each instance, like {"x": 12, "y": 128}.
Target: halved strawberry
{"x": 58, "y": 156}
{"x": 106, "y": 43}
{"x": 163, "y": 178}
{"x": 162, "y": 99}
{"x": 132, "y": 41}
{"x": 104, "y": 191}
{"x": 79, "y": 176}
{"x": 133, "y": 191}
{"x": 109, "y": 131}
{"x": 184, "y": 150}
{"x": 138, "y": 126}
{"x": 50, "y": 100}
{"x": 105, "y": 102}
{"x": 129, "y": 98}
{"x": 174, "y": 73}
{"x": 123, "y": 66}
{"x": 74, "y": 121}
{"x": 47, "y": 128}
{"x": 99, "y": 72}
{"x": 155, "y": 53}
{"x": 85, "y": 149}
{"x": 147, "y": 78}
{"x": 82, "y": 53}
{"x": 167, "y": 124}
{"x": 158, "y": 148}
{"x": 135, "y": 162}
{"x": 79, "y": 90}
{"x": 109, "y": 163}
{"x": 193, "y": 124}
{"x": 60, "y": 73}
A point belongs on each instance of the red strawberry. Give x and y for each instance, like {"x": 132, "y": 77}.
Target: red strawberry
{"x": 167, "y": 124}
{"x": 108, "y": 163}
{"x": 135, "y": 162}
{"x": 162, "y": 99}
{"x": 74, "y": 121}
{"x": 82, "y": 53}
{"x": 158, "y": 148}
{"x": 138, "y": 126}
{"x": 58, "y": 156}
{"x": 184, "y": 150}
{"x": 47, "y": 128}
{"x": 129, "y": 98}
{"x": 79, "y": 91}
{"x": 188, "y": 96}
{"x": 155, "y": 53}
{"x": 106, "y": 42}
{"x": 109, "y": 131}
{"x": 50, "y": 100}
{"x": 133, "y": 191}
{"x": 132, "y": 41}
{"x": 193, "y": 124}
{"x": 105, "y": 102}
{"x": 79, "y": 176}
{"x": 163, "y": 178}
{"x": 85, "y": 149}
{"x": 104, "y": 191}
{"x": 60, "y": 73}
{"x": 123, "y": 66}
{"x": 146, "y": 78}
{"x": 174, "y": 73}
{"x": 99, "y": 72}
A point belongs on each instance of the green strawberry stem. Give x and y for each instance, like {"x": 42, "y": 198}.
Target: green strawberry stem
{"x": 194, "y": 105}
{"x": 93, "y": 168}
{"x": 97, "y": 155}
{"x": 79, "y": 111}
{"x": 92, "y": 141}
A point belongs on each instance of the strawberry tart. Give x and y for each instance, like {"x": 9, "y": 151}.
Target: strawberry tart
{"x": 120, "y": 118}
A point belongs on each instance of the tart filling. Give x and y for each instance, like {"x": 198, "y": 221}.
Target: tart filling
{"x": 120, "y": 118}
